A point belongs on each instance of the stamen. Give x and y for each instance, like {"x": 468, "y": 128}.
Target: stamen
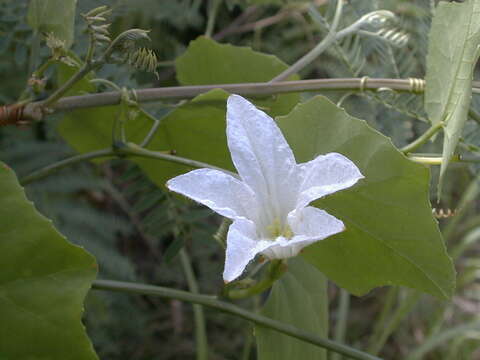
{"x": 277, "y": 229}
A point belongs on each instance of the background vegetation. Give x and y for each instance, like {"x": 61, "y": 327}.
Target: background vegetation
{"x": 140, "y": 232}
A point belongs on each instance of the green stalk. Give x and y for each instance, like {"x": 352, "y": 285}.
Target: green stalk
{"x": 276, "y": 269}
{"x": 131, "y": 149}
{"x": 213, "y": 302}
{"x": 127, "y": 151}
{"x": 398, "y": 316}
{"x": 153, "y": 129}
{"x": 440, "y": 339}
{"x": 50, "y": 169}
{"x": 200, "y": 326}
{"x": 214, "y": 5}
{"x": 342, "y": 319}
{"x": 427, "y": 160}
{"x": 62, "y": 90}
{"x": 247, "y": 89}
{"x": 382, "y": 318}
{"x": 332, "y": 37}
{"x": 422, "y": 139}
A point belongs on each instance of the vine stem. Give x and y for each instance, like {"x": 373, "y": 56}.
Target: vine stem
{"x": 332, "y": 36}
{"x": 80, "y": 74}
{"x": 126, "y": 150}
{"x": 422, "y": 139}
{"x": 133, "y": 150}
{"x": 342, "y": 318}
{"x": 213, "y": 302}
{"x": 427, "y": 160}
{"x": 244, "y": 89}
{"x": 49, "y": 169}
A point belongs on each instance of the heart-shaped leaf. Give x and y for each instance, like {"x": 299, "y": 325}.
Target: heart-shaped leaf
{"x": 207, "y": 62}
{"x": 43, "y": 282}
{"x": 391, "y": 236}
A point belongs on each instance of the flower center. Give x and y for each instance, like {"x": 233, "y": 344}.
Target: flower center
{"x": 277, "y": 229}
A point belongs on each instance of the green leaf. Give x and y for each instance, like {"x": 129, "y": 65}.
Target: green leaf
{"x": 452, "y": 55}
{"x": 43, "y": 282}
{"x": 196, "y": 131}
{"x": 93, "y": 128}
{"x": 299, "y": 298}
{"x": 391, "y": 237}
{"x": 208, "y": 62}
{"x": 53, "y": 16}
{"x": 65, "y": 72}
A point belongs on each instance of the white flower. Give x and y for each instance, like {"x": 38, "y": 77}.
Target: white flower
{"x": 269, "y": 203}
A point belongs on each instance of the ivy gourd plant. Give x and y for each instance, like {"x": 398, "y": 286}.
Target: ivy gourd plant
{"x": 315, "y": 203}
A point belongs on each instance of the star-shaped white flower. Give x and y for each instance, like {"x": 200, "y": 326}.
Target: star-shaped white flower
{"x": 269, "y": 203}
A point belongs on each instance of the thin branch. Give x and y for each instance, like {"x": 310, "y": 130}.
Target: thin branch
{"x": 245, "y": 89}
{"x": 342, "y": 319}
{"x": 422, "y": 139}
{"x": 332, "y": 37}
{"x": 427, "y": 160}
{"x": 153, "y": 129}
{"x": 213, "y": 302}
{"x": 49, "y": 169}
{"x": 151, "y": 133}
{"x": 135, "y": 150}
{"x": 214, "y": 6}
{"x": 437, "y": 159}
{"x": 337, "y": 16}
{"x": 127, "y": 150}
{"x": 80, "y": 74}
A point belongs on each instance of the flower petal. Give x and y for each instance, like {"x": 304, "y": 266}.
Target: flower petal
{"x": 262, "y": 157}
{"x": 242, "y": 247}
{"x": 309, "y": 225}
{"x": 314, "y": 223}
{"x": 325, "y": 175}
{"x": 219, "y": 191}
